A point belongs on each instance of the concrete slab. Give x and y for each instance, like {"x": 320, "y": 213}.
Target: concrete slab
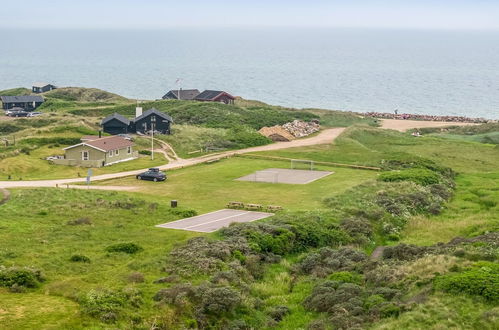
{"x": 283, "y": 175}
{"x": 210, "y": 222}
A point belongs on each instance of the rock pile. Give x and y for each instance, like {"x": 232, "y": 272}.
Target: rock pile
{"x": 300, "y": 128}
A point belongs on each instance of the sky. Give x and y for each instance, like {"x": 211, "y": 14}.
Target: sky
{"x": 160, "y": 14}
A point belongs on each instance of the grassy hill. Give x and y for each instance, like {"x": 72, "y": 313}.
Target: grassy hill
{"x": 15, "y": 92}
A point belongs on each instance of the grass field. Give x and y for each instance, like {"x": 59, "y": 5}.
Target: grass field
{"x": 45, "y": 240}
{"x": 191, "y": 185}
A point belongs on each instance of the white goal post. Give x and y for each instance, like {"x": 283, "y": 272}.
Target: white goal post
{"x": 302, "y": 164}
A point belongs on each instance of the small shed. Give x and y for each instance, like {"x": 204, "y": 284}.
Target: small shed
{"x": 42, "y": 87}
{"x": 276, "y": 133}
{"x": 215, "y": 96}
{"x": 26, "y": 102}
{"x": 153, "y": 118}
{"x": 115, "y": 124}
{"x": 181, "y": 94}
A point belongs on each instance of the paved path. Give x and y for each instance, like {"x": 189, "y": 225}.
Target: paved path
{"x": 326, "y": 136}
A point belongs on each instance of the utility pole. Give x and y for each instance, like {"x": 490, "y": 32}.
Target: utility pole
{"x": 153, "y": 120}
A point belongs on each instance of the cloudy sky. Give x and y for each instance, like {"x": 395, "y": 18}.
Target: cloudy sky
{"x": 153, "y": 14}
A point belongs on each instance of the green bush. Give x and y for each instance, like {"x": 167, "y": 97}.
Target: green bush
{"x": 145, "y": 152}
{"x": 130, "y": 248}
{"x": 17, "y": 276}
{"x": 420, "y": 176}
{"x": 346, "y": 277}
{"x": 108, "y": 305}
{"x": 79, "y": 258}
{"x": 481, "y": 280}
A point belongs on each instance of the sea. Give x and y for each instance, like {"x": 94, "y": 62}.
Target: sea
{"x": 413, "y": 71}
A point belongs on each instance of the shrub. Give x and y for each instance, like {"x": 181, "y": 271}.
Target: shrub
{"x": 145, "y": 152}
{"x": 130, "y": 248}
{"x": 176, "y": 295}
{"x": 327, "y": 260}
{"x": 420, "y": 176}
{"x": 79, "y": 258}
{"x": 80, "y": 221}
{"x": 404, "y": 251}
{"x": 481, "y": 280}
{"x": 184, "y": 213}
{"x": 136, "y": 277}
{"x": 219, "y": 300}
{"x": 346, "y": 277}
{"x": 278, "y": 313}
{"x": 17, "y": 276}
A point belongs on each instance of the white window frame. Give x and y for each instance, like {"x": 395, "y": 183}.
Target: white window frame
{"x": 87, "y": 153}
{"x": 117, "y": 152}
{"x": 110, "y": 153}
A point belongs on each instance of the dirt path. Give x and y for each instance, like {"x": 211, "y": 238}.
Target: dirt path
{"x": 377, "y": 253}
{"x": 404, "y": 125}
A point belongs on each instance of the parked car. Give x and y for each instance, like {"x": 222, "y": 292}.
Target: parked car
{"x": 153, "y": 174}
{"x": 126, "y": 137}
{"x": 33, "y": 114}
{"x": 18, "y": 114}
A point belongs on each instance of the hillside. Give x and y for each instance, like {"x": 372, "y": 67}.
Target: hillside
{"x": 15, "y": 91}
{"x": 101, "y": 263}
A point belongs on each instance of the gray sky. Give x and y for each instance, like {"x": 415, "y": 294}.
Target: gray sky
{"x": 151, "y": 14}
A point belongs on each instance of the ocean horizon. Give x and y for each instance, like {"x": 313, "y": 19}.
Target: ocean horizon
{"x": 433, "y": 72}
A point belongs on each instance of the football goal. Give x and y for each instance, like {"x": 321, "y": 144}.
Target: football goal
{"x": 301, "y": 164}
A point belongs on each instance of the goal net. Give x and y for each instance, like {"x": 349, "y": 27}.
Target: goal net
{"x": 300, "y": 164}
{"x": 266, "y": 176}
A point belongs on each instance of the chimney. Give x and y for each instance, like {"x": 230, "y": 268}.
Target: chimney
{"x": 138, "y": 111}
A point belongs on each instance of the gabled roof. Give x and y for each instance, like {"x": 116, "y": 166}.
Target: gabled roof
{"x": 116, "y": 116}
{"x": 41, "y": 84}
{"x": 155, "y": 112}
{"x": 105, "y": 144}
{"x": 21, "y": 99}
{"x": 209, "y": 95}
{"x": 185, "y": 94}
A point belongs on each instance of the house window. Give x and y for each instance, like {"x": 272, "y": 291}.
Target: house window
{"x": 85, "y": 155}
{"x": 129, "y": 150}
{"x": 117, "y": 152}
{"x": 110, "y": 153}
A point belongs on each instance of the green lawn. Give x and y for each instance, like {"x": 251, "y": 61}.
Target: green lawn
{"x": 35, "y": 167}
{"x": 41, "y": 237}
{"x": 209, "y": 187}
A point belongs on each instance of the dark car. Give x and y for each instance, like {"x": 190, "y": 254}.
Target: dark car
{"x": 153, "y": 174}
